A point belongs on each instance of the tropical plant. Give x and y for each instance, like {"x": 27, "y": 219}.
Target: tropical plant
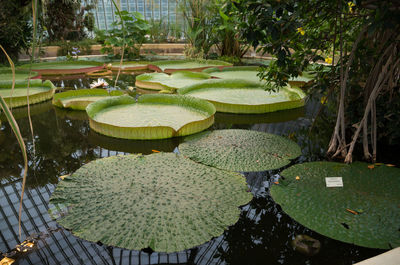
{"x": 199, "y": 17}
{"x": 15, "y": 29}
{"x": 127, "y": 34}
{"x": 226, "y": 36}
{"x": 360, "y": 41}
{"x": 158, "y": 31}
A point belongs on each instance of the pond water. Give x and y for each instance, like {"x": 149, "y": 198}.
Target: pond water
{"x": 63, "y": 142}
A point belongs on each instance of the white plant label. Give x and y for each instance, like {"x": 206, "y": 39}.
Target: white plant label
{"x": 334, "y": 182}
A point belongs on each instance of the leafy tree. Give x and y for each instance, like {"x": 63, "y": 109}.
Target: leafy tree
{"x": 361, "y": 42}
{"x": 15, "y": 31}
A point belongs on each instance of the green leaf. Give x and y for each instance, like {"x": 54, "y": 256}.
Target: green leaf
{"x": 163, "y": 201}
{"x": 240, "y": 150}
{"x": 376, "y": 191}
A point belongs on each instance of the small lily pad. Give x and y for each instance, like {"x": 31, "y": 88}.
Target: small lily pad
{"x": 240, "y": 150}
{"x": 38, "y": 92}
{"x": 79, "y": 99}
{"x": 163, "y": 201}
{"x": 21, "y": 76}
{"x": 364, "y": 212}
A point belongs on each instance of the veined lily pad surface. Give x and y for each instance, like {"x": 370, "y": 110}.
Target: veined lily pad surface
{"x": 190, "y": 65}
{"x": 163, "y": 201}
{"x": 21, "y": 76}
{"x": 240, "y": 96}
{"x": 38, "y": 92}
{"x": 64, "y": 68}
{"x": 364, "y": 212}
{"x": 248, "y": 73}
{"x": 79, "y": 99}
{"x": 240, "y": 150}
{"x": 163, "y": 81}
{"x": 151, "y": 117}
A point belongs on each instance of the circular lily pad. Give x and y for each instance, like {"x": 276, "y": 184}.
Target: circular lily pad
{"x": 21, "y": 76}
{"x": 162, "y": 81}
{"x": 79, "y": 99}
{"x": 134, "y": 66}
{"x": 163, "y": 201}
{"x": 364, "y": 212}
{"x": 248, "y": 73}
{"x": 241, "y": 96}
{"x": 38, "y": 92}
{"x": 151, "y": 117}
{"x": 64, "y": 68}
{"x": 190, "y": 65}
{"x": 240, "y": 150}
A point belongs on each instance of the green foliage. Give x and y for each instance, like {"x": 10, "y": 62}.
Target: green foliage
{"x": 158, "y": 31}
{"x": 15, "y": 29}
{"x": 132, "y": 35}
{"x": 363, "y": 212}
{"x": 240, "y": 150}
{"x": 66, "y": 47}
{"x": 67, "y": 20}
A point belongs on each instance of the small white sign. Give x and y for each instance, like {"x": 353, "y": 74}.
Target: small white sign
{"x": 334, "y": 182}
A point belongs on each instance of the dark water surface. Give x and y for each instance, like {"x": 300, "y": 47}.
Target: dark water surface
{"x": 64, "y": 142}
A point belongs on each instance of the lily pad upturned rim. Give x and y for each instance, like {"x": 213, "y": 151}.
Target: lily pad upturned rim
{"x": 240, "y": 150}
{"x": 152, "y": 81}
{"x": 41, "y": 67}
{"x": 141, "y": 66}
{"x": 363, "y": 212}
{"x": 76, "y": 94}
{"x": 157, "y": 65}
{"x": 231, "y": 69}
{"x": 296, "y": 96}
{"x": 154, "y": 132}
{"x": 164, "y": 201}
{"x": 20, "y": 101}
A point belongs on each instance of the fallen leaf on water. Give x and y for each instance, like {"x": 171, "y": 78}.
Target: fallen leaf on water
{"x": 155, "y": 151}
{"x": 276, "y": 182}
{"x": 371, "y": 166}
{"x": 351, "y": 211}
{"x": 390, "y": 165}
{"x": 63, "y": 177}
{"x": 297, "y": 177}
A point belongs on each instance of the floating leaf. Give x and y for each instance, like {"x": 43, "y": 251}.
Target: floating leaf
{"x": 163, "y": 201}
{"x": 241, "y": 96}
{"x": 64, "y": 68}
{"x": 152, "y": 117}
{"x": 190, "y": 65}
{"x": 162, "y": 81}
{"x": 240, "y": 150}
{"x": 79, "y": 99}
{"x": 322, "y": 209}
{"x": 38, "y": 92}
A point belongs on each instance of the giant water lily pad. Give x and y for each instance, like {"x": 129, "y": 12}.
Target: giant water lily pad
{"x": 163, "y": 81}
{"x": 21, "y": 76}
{"x": 240, "y": 150}
{"x": 38, "y": 92}
{"x": 64, "y": 68}
{"x": 133, "y": 66}
{"x": 241, "y": 96}
{"x": 364, "y": 212}
{"x": 151, "y": 117}
{"x": 248, "y": 73}
{"x": 79, "y": 99}
{"x": 163, "y": 201}
{"x": 190, "y": 65}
